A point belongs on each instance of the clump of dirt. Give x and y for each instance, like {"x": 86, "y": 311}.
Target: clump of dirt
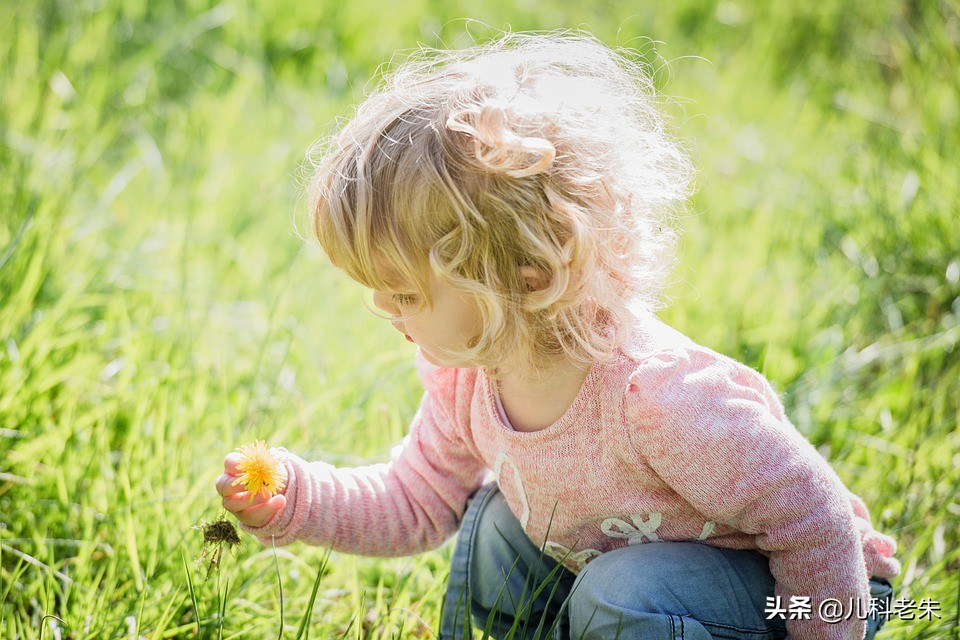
{"x": 216, "y": 536}
{"x": 220, "y": 532}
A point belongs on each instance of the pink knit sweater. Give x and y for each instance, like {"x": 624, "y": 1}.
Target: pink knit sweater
{"x": 669, "y": 441}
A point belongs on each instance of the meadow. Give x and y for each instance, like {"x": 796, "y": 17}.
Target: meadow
{"x": 158, "y": 307}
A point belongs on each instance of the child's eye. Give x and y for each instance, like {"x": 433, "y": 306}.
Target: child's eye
{"x": 404, "y": 299}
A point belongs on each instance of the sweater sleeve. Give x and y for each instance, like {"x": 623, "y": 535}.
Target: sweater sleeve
{"x": 412, "y": 504}
{"x": 716, "y": 433}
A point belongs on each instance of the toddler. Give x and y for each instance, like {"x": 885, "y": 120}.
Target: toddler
{"x": 511, "y": 206}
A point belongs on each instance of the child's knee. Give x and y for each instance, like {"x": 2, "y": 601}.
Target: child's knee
{"x": 655, "y": 586}
{"x": 632, "y": 579}
{"x": 604, "y": 585}
{"x": 611, "y": 596}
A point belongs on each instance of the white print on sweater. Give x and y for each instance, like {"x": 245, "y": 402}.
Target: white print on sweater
{"x": 615, "y": 528}
{"x": 576, "y": 561}
{"x": 501, "y": 460}
{"x": 645, "y": 528}
{"x": 708, "y": 528}
{"x": 637, "y": 532}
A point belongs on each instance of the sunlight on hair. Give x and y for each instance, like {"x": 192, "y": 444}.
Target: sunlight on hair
{"x": 542, "y": 151}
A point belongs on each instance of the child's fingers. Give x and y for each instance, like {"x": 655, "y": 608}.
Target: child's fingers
{"x": 260, "y": 514}
{"x": 253, "y": 510}
{"x": 241, "y": 500}
{"x": 226, "y": 486}
{"x": 230, "y": 463}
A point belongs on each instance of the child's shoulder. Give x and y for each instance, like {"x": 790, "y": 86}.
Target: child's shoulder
{"x": 650, "y": 336}
{"x": 661, "y": 365}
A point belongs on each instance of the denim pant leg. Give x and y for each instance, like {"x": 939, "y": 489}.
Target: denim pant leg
{"x": 654, "y": 590}
{"x": 682, "y": 590}
{"x": 882, "y": 591}
{"x": 499, "y": 580}
{"x": 674, "y": 590}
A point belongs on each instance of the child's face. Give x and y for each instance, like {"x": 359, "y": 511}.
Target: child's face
{"x": 450, "y": 324}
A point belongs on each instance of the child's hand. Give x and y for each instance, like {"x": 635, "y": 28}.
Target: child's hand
{"x": 237, "y": 500}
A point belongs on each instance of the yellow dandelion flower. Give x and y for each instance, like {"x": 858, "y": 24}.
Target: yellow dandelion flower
{"x": 260, "y": 470}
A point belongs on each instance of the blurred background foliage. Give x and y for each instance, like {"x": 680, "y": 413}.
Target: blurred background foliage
{"x": 159, "y": 309}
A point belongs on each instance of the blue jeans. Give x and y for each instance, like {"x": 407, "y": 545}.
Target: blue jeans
{"x": 501, "y": 580}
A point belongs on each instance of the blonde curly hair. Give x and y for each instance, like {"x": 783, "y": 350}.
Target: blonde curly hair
{"x": 533, "y": 173}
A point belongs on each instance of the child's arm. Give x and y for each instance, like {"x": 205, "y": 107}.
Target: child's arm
{"x": 412, "y": 504}
{"x": 715, "y": 432}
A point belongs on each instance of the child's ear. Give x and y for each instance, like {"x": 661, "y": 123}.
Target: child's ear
{"x": 533, "y": 278}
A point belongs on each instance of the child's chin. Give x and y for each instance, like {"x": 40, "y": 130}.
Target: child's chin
{"x": 429, "y": 357}
{"x": 440, "y": 361}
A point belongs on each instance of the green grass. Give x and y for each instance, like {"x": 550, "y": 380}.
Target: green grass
{"x": 157, "y": 309}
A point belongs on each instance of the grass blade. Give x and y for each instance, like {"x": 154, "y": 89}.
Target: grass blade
{"x": 304, "y": 630}
{"x": 192, "y": 589}
{"x": 276, "y": 562}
